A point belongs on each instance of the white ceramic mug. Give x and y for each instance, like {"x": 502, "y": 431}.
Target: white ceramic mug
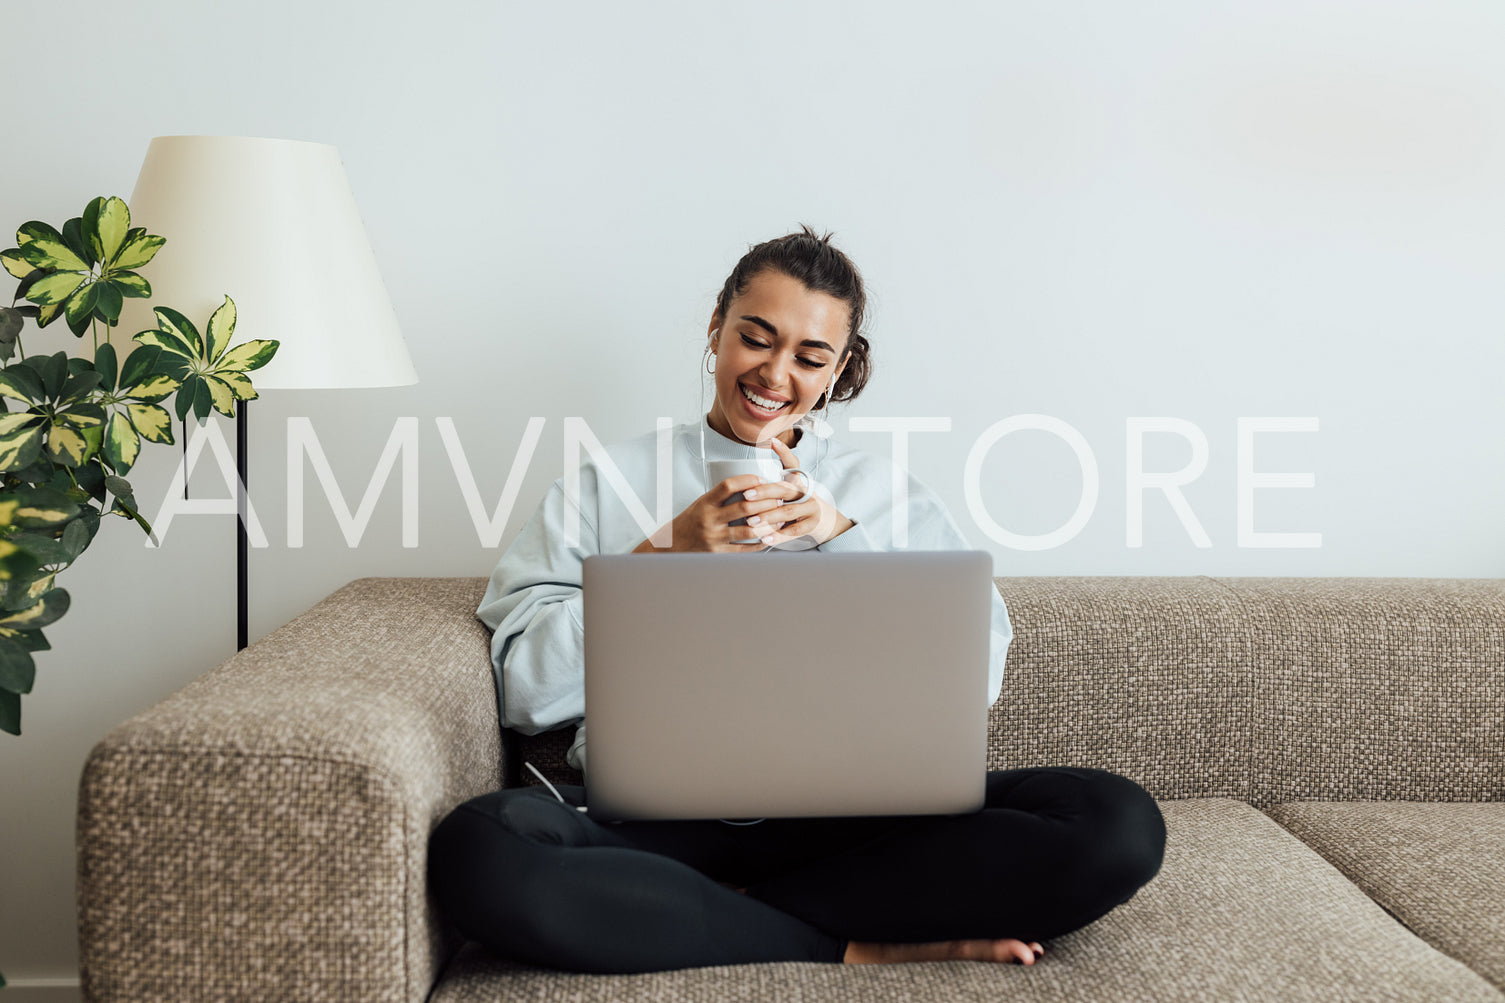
{"x": 770, "y": 470}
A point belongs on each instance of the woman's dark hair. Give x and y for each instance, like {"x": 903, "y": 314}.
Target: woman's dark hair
{"x": 822, "y": 268}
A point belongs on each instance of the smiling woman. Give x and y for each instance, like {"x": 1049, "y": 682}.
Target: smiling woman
{"x": 786, "y": 336}
{"x": 533, "y": 877}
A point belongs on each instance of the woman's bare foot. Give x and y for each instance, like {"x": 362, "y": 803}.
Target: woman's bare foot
{"x": 1004, "y": 950}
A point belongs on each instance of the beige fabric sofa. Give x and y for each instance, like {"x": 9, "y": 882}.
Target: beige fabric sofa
{"x": 1329, "y": 755}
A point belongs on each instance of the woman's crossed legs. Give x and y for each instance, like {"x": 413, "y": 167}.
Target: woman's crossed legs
{"x": 532, "y": 879}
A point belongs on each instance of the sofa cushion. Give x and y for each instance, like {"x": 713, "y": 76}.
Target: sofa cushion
{"x": 1148, "y": 677}
{"x": 1375, "y": 689}
{"x": 1239, "y": 910}
{"x": 1439, "y": 867}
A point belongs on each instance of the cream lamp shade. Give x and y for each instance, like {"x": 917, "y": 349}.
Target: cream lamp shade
{"x": 272, "y": 224}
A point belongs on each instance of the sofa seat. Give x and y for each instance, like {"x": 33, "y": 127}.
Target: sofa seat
{"x": 1439, "y": 867}
{"x": 1241, "y": 910}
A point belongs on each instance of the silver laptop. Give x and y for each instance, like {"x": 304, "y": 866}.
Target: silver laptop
{"x": 798, "y": 684}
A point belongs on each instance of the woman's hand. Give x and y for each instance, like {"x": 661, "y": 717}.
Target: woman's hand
{"x": 704, "y": 524}
{"x": 810, "y": 522}
{"x": 772, "y": 515}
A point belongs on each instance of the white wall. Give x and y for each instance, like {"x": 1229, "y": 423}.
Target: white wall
{"x": 1091, "y": 211}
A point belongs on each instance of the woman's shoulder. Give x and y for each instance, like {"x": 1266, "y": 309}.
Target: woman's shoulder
{"x": 852, "y": 468}
{"x": 843, "y": 455}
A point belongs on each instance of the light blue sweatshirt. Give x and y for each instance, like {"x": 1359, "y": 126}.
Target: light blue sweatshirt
{"x": 534, "y": 603}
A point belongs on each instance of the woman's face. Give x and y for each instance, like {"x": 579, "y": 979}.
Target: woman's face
{"x": 781, "y": 341}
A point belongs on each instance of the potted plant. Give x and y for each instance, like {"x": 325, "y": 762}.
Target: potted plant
{"x": 72, "y": 426}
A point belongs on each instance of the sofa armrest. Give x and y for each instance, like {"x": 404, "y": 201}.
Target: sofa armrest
{"x": 262, "y": 832}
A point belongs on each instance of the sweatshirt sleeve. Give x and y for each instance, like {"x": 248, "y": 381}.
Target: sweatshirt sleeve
{"x": 534, "y": 606}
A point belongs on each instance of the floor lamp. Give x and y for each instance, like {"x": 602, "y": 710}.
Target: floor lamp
{"x": 273, "y": 224}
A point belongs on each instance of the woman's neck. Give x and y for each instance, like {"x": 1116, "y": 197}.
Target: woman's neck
{"x": 789, "y": 438}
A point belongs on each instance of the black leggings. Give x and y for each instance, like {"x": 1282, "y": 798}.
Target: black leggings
{"x": 537, "y": 881}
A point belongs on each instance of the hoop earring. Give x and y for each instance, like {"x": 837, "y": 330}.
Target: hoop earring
{"x": 707, "y": 366}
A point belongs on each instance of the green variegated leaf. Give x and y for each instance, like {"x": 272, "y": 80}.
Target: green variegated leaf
{"x": 43, "y": 507}
{"x": 89, "y": 518}
{"x": 221, "y": 396}
{"x": 15, "y": 264}
{"x": 183, "y": 402}
{"x": 53, "y": 370}
{"x": 122, "y": 444}
{"x": 176, "y": 366}
{"x": 249, "y": 355}
{"x": 73, "y": 236}
{"x": 66, "y": 444}
{"x": 52, "y": 290}
{"x": 111, "y": 224}
{"x": 25, "y": 593}
{"x": 37, "y": 275}
{"x": 221, "y": 327}
{"x": 153, "y": 422}
{"x": 13, "y": 422}
{"x": 35, "y": 230}
{"x": 180, "y": 329}
{"x": 32, "y": 640}
{"x": 104, "y": 365}
{"x": 84, "y": 414}
{"x": 81, "y": 307}
{"x": 61, "y": 483}
{"x": 21, "y": 383}
{"x": 45, "y": 611}
{"x": 239, "y": 384}
{"x": 138, "y": 365}
{"x": 94, "y": 439}
{"x": 137, "y": 250}
{"x": 166, "y": 342}
{"x": 153, "y": 388}
{"x": 47, "y": 314}
{"x": 91, "y": 478}
{"x": 38, "y": 471}
{"x": 75, "y": 539}
{"x": 91, "y": 225}
{"x": 78, "y": 323}
{"x": 16, "y": 562}
{"x": 21, "y": 448}
{"x": 110, "y": 302}
{"x": 47, "y": 252}
{"x": 17, "y": 672}
{"x": 8, "y": 506}
{"x": 79, "y": 386}
{"x": 131, "y": 285}
{"x": 46, "y": 549}
{"x": 202, "y": 401}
